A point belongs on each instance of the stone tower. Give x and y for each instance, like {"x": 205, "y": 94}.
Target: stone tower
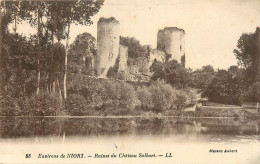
{"x": 171, "y": 40}
{"x": 108, "y": 35}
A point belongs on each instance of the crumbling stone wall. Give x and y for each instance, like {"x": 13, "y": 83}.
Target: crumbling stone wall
{"x": 138, "y": 65}
{"x": 171, "y": 40}
{"x": 108, "y": 32}
{"x": 123, "y": 56}
{"x": 156, "y": 55}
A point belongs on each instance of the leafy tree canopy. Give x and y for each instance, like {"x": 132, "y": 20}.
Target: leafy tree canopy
{"x": 172, "y": 72}
{"x": 225, "y": 88}
{"x": 135, "y": 49}
{"x": 246, "y": 54}
{"x": 81, "y": 54}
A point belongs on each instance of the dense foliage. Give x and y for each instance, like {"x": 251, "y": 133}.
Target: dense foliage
{"x": 201, "y": 78}
{"x": 135, "y": 49}
{"x": 225, "y": 88}
{"x": 246, "y": 54}
{"x": 160, "y": 97}
{"x": 34, "y": 69}
{"x": 172, "y": 72}
{"x": 81, "y": 54}
{"x": 108, "y": 96}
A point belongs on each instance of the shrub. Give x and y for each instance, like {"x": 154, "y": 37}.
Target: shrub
{"x": 145, "y": 98}
{"x": 43, "y": 104}
{"x": 128, "y": 96}
{"x": 225, "y": 89}
{"x": 252, "y": 94}
{"x": 191, "y": 96}
{"x": 102, "y": 95}
{"x": 8, "y": 105}
{"x": 163, "y": 96}
{"x": 118, "y": 95}
{"x": 181, "y": 99}
{"x": 75, "y": 104}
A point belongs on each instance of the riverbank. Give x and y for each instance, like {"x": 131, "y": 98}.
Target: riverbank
{"x": 199, "y": 112}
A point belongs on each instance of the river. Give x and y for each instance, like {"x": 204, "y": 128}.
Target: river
{"x": 185, "y": 140}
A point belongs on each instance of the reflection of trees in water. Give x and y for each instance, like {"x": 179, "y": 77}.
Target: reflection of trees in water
{"x": 12, "y": 127}
{"x": 15, "y": 127}
{"x": 98, "y": 126}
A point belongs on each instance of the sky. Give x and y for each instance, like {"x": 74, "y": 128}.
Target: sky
{"x": 212, "y": 27}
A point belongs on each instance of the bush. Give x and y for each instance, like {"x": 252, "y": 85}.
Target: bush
{"x": 192, "y": 97}
{"x": 163, "y": 96}
{"x": 145, "y": 98}
{"x": 75, "y": 104}
{"x": 160, "y": 97}
{"x": 8, "y": 105}
{"x": 108, "y": 96}
{"x": 252, "y": 94}
{"x": 118, "y": 95}
{"x": 225, "y": 89}
{"x": 43, "y": 104}
{"x": 181, "y": 99}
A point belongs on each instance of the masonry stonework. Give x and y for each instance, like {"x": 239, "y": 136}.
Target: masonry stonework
{"x": 170, "y": 45}
{"x": 156, "y": 55}
{"x": 123, "y": 56}
{"x": 171, "y": 40}
{"x": 108, "y": 34}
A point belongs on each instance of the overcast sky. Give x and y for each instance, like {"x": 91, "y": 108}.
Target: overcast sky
{"x": 212, "y": 27}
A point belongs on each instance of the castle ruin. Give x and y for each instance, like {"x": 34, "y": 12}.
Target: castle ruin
{"x": 123, "y": 56}
{"x": 171, "y": 41}
{"x": 108, "y": 34}
{"x": 170, "y": 46}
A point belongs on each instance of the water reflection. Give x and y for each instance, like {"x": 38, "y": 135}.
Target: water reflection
{"x": 23, "y": 127}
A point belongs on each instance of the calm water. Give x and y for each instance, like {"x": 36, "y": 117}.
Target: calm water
{"x": 202, "y": 129}
{"x": 189, "y": 140}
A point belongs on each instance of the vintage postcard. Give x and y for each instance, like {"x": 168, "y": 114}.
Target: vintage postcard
{"x": 130, "y": 81}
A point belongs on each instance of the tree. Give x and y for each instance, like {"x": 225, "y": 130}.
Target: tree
{"x": 252, "y": 94}
{"x": 246, "y": 54}
{"x": 235, "y": 71}
{"x": 1, "y": 69}
{"x": 81, "y": 54}
{"x": 172, "y": 72}
{"x": 163, "y": 96}
{"x": 54, "y": 67}
{"x": 135, "y": 49}
{"x": 54, "y": 17}
{"x": 78, "y": 12}
{"x": 10, "y": 13}
{"x": 224, "y": 88}
{"x": 34, "y": 12}
{"x": 201, "y": 78}
{"x": 208, "y": 68}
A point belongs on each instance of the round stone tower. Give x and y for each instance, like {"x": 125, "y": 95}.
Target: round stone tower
{"x": 171, "y": 40}
{"x": 108, "y": 35}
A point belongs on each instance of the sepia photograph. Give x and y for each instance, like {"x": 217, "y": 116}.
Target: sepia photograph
{"x": 130, "y": 81}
